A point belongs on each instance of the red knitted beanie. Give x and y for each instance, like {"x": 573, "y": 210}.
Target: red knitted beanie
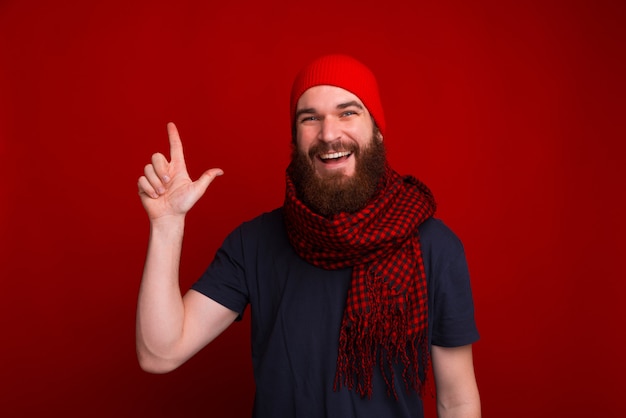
{"x": 340, "y": 71}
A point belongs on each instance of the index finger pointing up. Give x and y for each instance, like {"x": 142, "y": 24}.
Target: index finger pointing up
{"x": 176, "y": 145}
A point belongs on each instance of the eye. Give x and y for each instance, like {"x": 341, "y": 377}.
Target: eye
{"x": 308, "y": 119}
{"x": 348, "y": 113}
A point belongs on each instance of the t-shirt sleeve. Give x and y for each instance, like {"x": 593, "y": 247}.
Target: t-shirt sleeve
{"x": 453, "y": 306}
{"x": 224, "y": 280}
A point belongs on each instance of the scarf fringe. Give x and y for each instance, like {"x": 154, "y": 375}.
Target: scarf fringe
{"x": 381, "y": 337}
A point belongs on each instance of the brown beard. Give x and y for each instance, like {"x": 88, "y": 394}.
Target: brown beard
{"x": 332, "y": 195}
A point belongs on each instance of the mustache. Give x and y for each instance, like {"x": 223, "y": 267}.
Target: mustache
{"x": 336, "y": 146}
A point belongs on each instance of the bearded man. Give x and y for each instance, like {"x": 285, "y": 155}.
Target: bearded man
{"x": 354, "y": 288}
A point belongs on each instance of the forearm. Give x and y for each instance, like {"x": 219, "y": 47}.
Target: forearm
{"x": 160, "y": 309}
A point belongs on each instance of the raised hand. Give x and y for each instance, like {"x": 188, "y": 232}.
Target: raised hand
{"x": 166, "y": 188}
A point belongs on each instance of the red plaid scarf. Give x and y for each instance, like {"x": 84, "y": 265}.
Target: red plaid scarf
{"x": 386, "y": 314}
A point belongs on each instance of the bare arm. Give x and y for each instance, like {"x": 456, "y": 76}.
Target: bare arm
{"x": 457, "y": 392}
{"x": 170, "y": 328}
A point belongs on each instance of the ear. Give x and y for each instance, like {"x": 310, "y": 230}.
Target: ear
{"x": 379, "y": 135}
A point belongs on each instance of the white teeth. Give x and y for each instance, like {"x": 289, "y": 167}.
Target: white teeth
{"x": 334, "y": 155}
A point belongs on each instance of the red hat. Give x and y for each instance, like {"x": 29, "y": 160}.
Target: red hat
{"x": 340, "y": 71}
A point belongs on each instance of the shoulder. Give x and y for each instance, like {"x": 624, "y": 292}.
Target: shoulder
{"x": 267, "y": 221}
{"x": 435, "y": 234}
{"x": 441, "y": 247}
{"x": 273, "y": 216}
{"x": 264, "y": 231}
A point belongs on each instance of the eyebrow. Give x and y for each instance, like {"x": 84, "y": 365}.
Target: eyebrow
{"x": 339, "y": 106}
{"x": 349, "y": 104}
{"x": 302, "y": 111}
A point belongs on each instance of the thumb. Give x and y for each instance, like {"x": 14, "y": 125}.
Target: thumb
{"x": 205, "y": 179}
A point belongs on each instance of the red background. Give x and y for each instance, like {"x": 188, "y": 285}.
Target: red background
{"x": 512, "y": 112}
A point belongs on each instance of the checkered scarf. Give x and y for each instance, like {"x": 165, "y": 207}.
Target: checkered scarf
{"x": 386, "y": 314}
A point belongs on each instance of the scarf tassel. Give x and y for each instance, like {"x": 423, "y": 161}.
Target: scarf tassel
{"x": 380, "y": 336}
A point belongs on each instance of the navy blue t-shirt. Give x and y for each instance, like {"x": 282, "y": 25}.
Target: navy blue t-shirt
{"x": 296, "y": 315}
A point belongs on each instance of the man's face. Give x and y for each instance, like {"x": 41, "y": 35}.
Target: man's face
{"x": 332, "y": 124}
{"x": 339, "y": 156}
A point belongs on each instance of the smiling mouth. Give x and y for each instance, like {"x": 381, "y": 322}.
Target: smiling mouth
{"x": 334, "y": 156}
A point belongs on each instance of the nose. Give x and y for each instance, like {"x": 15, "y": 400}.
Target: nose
{"x": 330, "y": 130}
